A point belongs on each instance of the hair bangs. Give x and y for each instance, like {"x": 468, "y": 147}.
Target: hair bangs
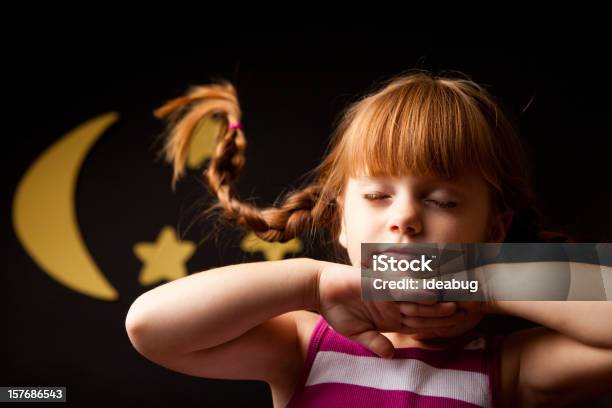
{"x": 426, "y": 129}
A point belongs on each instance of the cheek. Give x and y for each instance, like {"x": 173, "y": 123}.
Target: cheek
{"x": 361, "y": 223}
{"x": 460, "y": 228}
{"x": 355, "y": 238}
{"x": 354, "y": 233}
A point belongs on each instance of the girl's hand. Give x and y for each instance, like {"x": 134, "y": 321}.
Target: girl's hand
{"x": 340, "y": 303}
{"x": 473, "y": 313}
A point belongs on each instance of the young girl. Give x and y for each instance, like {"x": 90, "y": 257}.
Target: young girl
{"x": 422, "y": 159}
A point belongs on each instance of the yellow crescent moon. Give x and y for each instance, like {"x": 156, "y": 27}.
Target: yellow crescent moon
{"x": 44, "y": 214}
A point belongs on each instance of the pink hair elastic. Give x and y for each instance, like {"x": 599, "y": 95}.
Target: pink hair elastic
{"x": 236, "y": 125}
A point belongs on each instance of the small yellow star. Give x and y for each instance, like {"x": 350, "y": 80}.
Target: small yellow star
{"x": 164, "y": 259}
{"x": 273, "y": 251}
{"x": 203, "y": 141}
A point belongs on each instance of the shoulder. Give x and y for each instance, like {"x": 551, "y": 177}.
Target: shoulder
{"x": 285, "y": 386}
{"x": 305, "y": 322}
{"x": 545, "y": 367}
{"x": 512, "y": 349}
{"x": 505, "y": 357}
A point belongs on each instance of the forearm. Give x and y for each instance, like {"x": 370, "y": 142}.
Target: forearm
{"x": 589, "y": 322}
{"x": 209, "y": 308}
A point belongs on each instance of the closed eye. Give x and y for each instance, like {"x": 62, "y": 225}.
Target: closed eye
{"x": 440, "y": 204}
{"x": 374, "y": 197}
{"x": 443, "y": 204}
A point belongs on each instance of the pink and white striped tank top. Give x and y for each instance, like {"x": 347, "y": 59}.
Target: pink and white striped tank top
{"x": 339, "y": 372}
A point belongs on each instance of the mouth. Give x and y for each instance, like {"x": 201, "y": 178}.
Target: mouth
{"x": 408, "y": 256}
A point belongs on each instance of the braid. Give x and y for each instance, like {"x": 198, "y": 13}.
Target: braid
{"x": 184, "y": 114}
{"x": 295, "y": 214}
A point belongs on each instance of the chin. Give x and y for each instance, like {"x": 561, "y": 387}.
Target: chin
{"x": 442, "y": 334}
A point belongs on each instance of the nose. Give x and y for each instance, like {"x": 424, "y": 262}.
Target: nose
{"x": 405, "y": 218}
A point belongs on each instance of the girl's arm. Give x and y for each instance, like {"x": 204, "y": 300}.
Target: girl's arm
{"x": 567, "y": 361}
{"x": 227, "y": 322}
{"x": 588, "y": 322}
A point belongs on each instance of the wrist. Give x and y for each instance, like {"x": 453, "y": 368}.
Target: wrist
{"x": 310, "y": 284}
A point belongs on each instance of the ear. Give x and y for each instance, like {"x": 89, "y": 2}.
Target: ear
{"x": 499, "y": 226}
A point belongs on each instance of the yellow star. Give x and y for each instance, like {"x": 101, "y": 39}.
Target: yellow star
{"x": 164, "y": 259}
{"x": 273, "y": 251}
{"x": 203, "y": 141}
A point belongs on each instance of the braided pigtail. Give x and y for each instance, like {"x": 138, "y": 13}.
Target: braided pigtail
{"x": 273, "y": 224}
